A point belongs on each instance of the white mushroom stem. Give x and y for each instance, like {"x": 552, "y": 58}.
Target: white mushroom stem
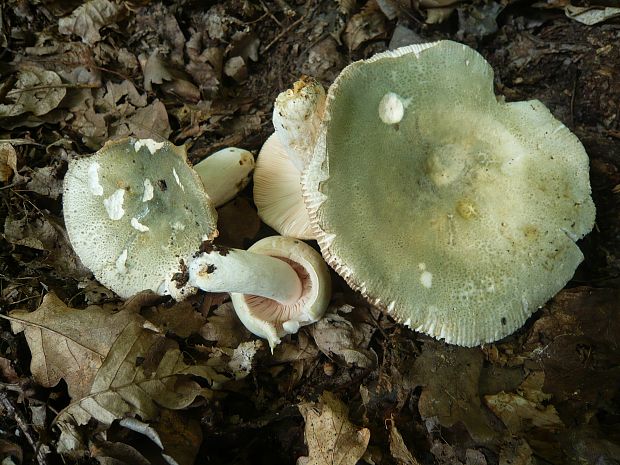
{"x": 225, "y": 173}
{"x": 233, "y": 270}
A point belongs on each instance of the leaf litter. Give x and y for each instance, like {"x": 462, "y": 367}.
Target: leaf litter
{"x": 200, "y": 385}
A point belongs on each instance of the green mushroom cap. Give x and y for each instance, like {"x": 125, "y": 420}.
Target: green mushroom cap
{"x": 455, "y": 212}
{"x": 133, "y": 211}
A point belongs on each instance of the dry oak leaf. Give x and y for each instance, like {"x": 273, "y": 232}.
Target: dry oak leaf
{"x": 331, "y": 438}
{"x": 68, "y": 343}
{"x": 335, "y": 334}
{"x": 450, "y": 377}
{"x": 36, "y": 90}
{"x": 89, "y": 18}
{"x": 142, "y": 372}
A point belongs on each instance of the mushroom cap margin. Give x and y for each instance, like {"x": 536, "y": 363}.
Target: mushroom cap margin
{"x": 479, "y": 306}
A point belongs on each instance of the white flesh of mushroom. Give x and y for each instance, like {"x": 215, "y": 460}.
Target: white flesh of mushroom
{"x": 225, "y": 173}
{"x": 391, "y": 108}
{"x": 114, "y": 204}
{"x": 297, "y": 118}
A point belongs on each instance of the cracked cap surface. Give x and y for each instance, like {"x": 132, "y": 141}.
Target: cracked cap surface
{"x": 132, "y": 211}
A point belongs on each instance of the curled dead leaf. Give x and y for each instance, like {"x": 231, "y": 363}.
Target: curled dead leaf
{"x": 87, "y": 20}
{"x": 37, "y": 91}
{"x": 337, "y": 334}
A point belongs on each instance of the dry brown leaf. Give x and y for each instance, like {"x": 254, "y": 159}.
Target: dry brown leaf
{"x": 337, "y": 335}
{"x": 181, "y": 318}
{"x": 150, "y": 122}
{"x": 9, "y": 449}
{"x": 86, "y": 20}
{"x": 398, "y": 449}
{"x": 224, "y": 327}
{"x": 450, "y": 376}
{"x": 114, "y": 365}
{"x": 68, "y": 343}
{"x": 520, "y": 414}
{"x": 7, "y": 372}
{"x": 8, "y": 162}
{"x": 591, "y": 15}
{"x": 332, "y": 439}
{"x": 87, "y": 122}
{"x": 369, "y": 24}
{"x": 45, "y": 181}
{"x": 180, "y": 436}
{"x": 516, "y": 452}
{"x": 36, "y": 91}
{"x": 155, "y": 71}
{"x": 575, "y": 344}
{"x": 44, "y": 234}
{"x": 142, "y": 372}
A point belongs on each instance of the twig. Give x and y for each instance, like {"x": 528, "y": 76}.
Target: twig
{"x": 6, "y": 403}
{"x": 288, "y": 29}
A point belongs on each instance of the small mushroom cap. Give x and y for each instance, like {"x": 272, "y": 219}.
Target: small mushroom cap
{"x": 461, "y": 219}
{"x": 270, "y": 319}
{"x": 133, "y": 211}
{"x": 277, "y": 192}
{"x": 225, "y": 173}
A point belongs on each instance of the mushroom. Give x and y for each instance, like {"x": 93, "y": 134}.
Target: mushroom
{"x": 137, "y": 215}
{"x": 268, "y": 302}
{"x": 297, "y": 118}
{"x": 277, "y": 192}
{"x": 225, "y": 173}
{"x": 453, "y": 210}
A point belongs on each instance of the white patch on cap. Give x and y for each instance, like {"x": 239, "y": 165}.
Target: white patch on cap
{"x": 426, "y": 278}
{"x": 391, "y": 108}
{"x": 149, "y": 144}
{"x": 93, "y": 179}
{"x": 148, "y": 190}
{"x": 120, "y": 262}
{"x": 176, "y": 178}
{"x": 114, "y": 204}
{"x": 177, "y": 226}
{"x": 139, "y": 226}
{"x": 291, "y": 326}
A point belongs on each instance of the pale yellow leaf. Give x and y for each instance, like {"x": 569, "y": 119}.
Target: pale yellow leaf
{"x": 8, "y": 162}
{"x": 332, "y": 439}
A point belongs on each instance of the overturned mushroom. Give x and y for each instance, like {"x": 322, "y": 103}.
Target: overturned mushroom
{"x": 297, "y": 116}
{"x": 268, "y": 301}
{"x": 455, "y": 212}
{"x": 137, "y": 215}
{"x": 277, "y": 192}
